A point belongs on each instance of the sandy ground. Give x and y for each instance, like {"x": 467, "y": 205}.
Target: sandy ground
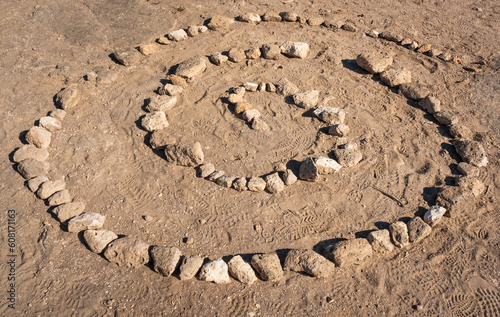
{"x": 106, "y": 160}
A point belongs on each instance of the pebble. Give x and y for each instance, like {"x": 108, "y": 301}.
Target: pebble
{"x": 97, "y": 240}
{"x": 242, "y": 107}
{"x": 396, "y": 76}
{"x": 289, "y": 16}
{"x": 430, "y": 104}
{"x": 349, "y": 146}
{"x": 455, "y": 200}
{"x": 86, "y": 221}
{"x": 35, "y": 182}
{"x": 414, "y": 91}
{"x": 308, "y": 170}
{"x": 250, "y": 86}
{"x": 468, "y": 169}
{"x": 171, "y": 90}
{"x": 165, "y": 259}
{"x": 271, "y": 51}
{"x": 160, "y": 138}
{"x": 302, "y": 20}
{"x": 348, "y": 252}
{"x": 215, "y": 175}
{"x": 226, "y": 181}
{"x": 307, "y": 99}
{"x": 240, "y": 184}
{"x": 270, "y": 87}
{"x": 69, "y": 210}
{"x": 178, "y": 80}
{"x": 350, "y": 27}
{"x": 218, "y": 58}
{"x": 274, "y": 184}
{"x": 469, "y": 183}
{"x": 127, "y": 251}
{"x": 327, "y": 166}
{"x": 390, "y": 36}
{"x": 192, "y": 31}
{"x": 435, "y": 52}
{"x": 286, "y": 87}
{"x": 253, "y": 53}
{"x": 425, "y": 48}
{"x": 205, "y": 170}
{"x": 460, "y": 131}
{"x": 127, "y": 58}
{"x": 259, "y": 124}
{"x": 373, "y": 33}
{"x": 190, "y": 265}
{"x": 148, "y": 49}
{"x": 154, "y": 121}
{"x": 308, "y": 262}
{"x": 406, "y": 41}
{"x": 29, "y": 168}
{"x": 164, "y": 40}
{"x": 148, "y": 218}
{"x": 50, "y": 124}
{"x": 399, "y": 234}
{"x": 333, "y": 24}
{"x": 471, "y": 152}
{"x": 184, "y": 154}
{"x": 446, "y": 117}
{"x": 249, "y": 115}
{"x": 202, "y": 29}
{"x": 59, "y": 198}
{"x": 220, "y": 23}
{"x": 256, "y": 184}
{"x": 340, "y": 130}
{"x": 374, "y": 62}
{"x": 413, "y": 46}
{"x": 445, "y": 57}
{"x": 48, "y": 188}
{"x": 380, "y": 240}
{"x": 268, "y": 266}
{"x": 30, "y": 151}
{"x": 177, "y": 35}
{"x": 315, "y": 21}
{"x": 252, "y": 18}
{"x": 215, "y": 271}
{"x": 289, "y": 177}
{"x": 434, "y": 215}
{"x": 241, "y": 270}
{"x": 236, "y": 55}
{"x": 39, "y": 137}
{"x": 295, "y": 49}
{"x": 418, "y": 229}
{"x": 330, "y": 115}
{"x": 271, "y": 17}
{"x": 58, "y": 114}
{"x": 161, "y": 103}
{"x": 191, "y": 67}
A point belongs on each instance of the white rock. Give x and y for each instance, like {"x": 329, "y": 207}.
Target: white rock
{"x": 50, "y": 123}
{"x": 327, "y": 166}
{"x": 434, "y": 215}
{"x": 295, "y": 49}
{"x": 177, "y": 35}
{"x": 215, "y": 271}
{"x": 202, "y": 29}
{"x": 307, "y": 99}
{"x": 250, "y": 114}
{"x": 154, "y": 121}
{"x": 330, "y": 115}
{"x": 39, "y": 137}
{"x": 250, "y": 86}
{"x": 161, "y": 103}
{"x": 172, "y": 90}
{"x": 98, "y": 240}
{"x": 289, "y": 177}
{"x": 241, "y": 270}
{"x": 86, "y": 221}
{"x": 252, "y": 18}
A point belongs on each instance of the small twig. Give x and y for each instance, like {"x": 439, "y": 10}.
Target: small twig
{"x": 400, "y": 204}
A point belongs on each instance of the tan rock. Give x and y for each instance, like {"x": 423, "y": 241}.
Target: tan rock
{"x": 268, "y": 266}
{"x": 399, "y": 234}
{"x": 396, "y": 76}
{"x": 380, "y": 241}
{"x": 39, "y": 137}
{"x": 50, "y": 124}
{"x": 165, "y": 259}
{"x": 256, "y": 184}
{"x": 86, "y": 221}
{"x": 154, "y": 121}
{"x": 309, "y": 262}
{"x": 97, "y": 240}
{"x": 127, "y": 251}
{"x": 48, "y": 188}
{"x": 348, "y": 252}
{"x": 184, "y": 154}
{"x": 68, "y": 98}
{"x": 418, "y": 229}
{"x": 29, "y": 168}
{"x": 191, "y": 67}
{"x": 59, "y": 198}
{"x": 30, "y": 151}
{"x": 241, "y": 270}
{"x": 148, "y": 49}
{"x": 67, "y": 211}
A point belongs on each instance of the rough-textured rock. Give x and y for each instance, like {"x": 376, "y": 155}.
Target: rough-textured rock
{"x": 418, "y": 229}
{"x": 471, "y": 152}
{"x": 215, "y": 271}
{"x": 252, "y": 18}
{"x": 50, "y": 124}
{"x": 178, "y": 80}
{"x": 374, "y": 62}
{"x": 58, "y": 114}
{"x": 59, "y": 198}
{"x": 259, "y": 124}
{"x": 445, "y": 56}
{"x": 307, "y": 99}
{"x": 249, "y": 115}
{"x": 406, "y": 41}
{"x": 348, "y": 252}
{"x": 177, "y": 35}
{"x": 256, "y": 184}
{"x": 36, "y": 182}
{"x": 413, "y": 46}
{"x": 165, "y": 259}
{"x": 262, "y": 87}
{"x": 268, "y": 266}
{"x": 86, "y": 221}
{"x": 218, "y": 58}
{"x": 435, "y": 52}
{"x": 240, "y": 184}
{"x": 295, "y": 49}
{"x": 235, "y": 98}
{"x": 29, "y": 168}
{"x": 193, "y": 31}
{"x": 455, "y": 200}
{"x": 434, "y": 215}
{"x": 39, "y": 137}
{"x": 190, "y": 265}
{"x": 242, "y": 107}
{"x": 315, "y": 21}
{"x": 326, "y": 165}
{"x": 468, "y": 169}
{"x": 250, "y": 86}
{"x": 446, "y": 117}
{"x": 396, "y": 76}
{"x": 185, "y": 154}
{"x": 215, "y": 175}
{"x": 205, "y": 170}
{"x": 347, "y": 158}
{"x": 253, "y": 53}
{"x": 97, "y": 240}
{"x": 127, "y": 251}
{"x": 191, "y": 67}
{"x": 271, "y": 51}
{"x": 171, "y": 90}
{"x": 241, "y": 270}
{"x": 471, "y": 184}
{"x": 30, "y": 151}
{"x": 271, "y": 17}
{"x": 414, "y": 91}
{"x": 424, "y": 48}
{"x": 330, "y": 115}
{"x": 67, "y": 211}
{"x": 286, "y": 88}
{"x": 154, "y": 121}
{"x": 50, "y": 187}
{"x": 460, "y": 131}
{"x": 274, "y": 184}
{"x": 148, "y": 49}
{"x": 270, "y": 87}
{"x": 349, "y": 146}
{"x": 309, "y": 262}
{"x": 226, "y": 181}
{"x": 340, "y": 130}
{"x": 391, "y": 36}
{"x": 349, "y": 26}
{"x": 430, "y": 104}
{"x": 220, "y": 23}
{"x": 202, "y": 29}
{"x": 127, "y": 57}
{"x": 373, "y": 34}
{"x": 289, "y": 16}
{"x": 236, "y": 55}
{"x": 68, "y": 98}
{"x": 289, "y": 177}
{"x": 308, "y": 170}
{"x": 161, "y": 103}
{"x": 160, "y": 138}
{"x": 380, "y": 240}
{"x": 399, "y": 234}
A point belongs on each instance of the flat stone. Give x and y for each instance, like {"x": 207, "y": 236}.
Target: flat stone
{"x": 286, "y": 88}
{"x": 236, "y": 55}
{"x": 295, "y": 49}
{"x": 271, "y": 17}
{"x": 289, "y": 16}
{"x": 460, "y": 131}
{"x": 274, "y": 184}
{"x": 347, "y": 157}
{"x": 220, "y": 23}
{"x": 215, "y": 271}
{"x": 380, "y": 240}
{"x": 178, "y": 80}
{"x": 349, "y": 26}
{"x": 399, "y": 234}
{"x": 241, "y": 270}
{"x": 340, "y": 130}
{"x": 127, "y": 251}
{"x": 307, "y": 99}
{"x": 259, "y": 124}
{"x": 191, "y": 67}
{"x": 218, "y": 58}
{"x": 374, "y": 62}
{"x": 127, "y": 57}
{"x": 161, "y": 103}
{"x": 414, "y": 91}
{"x": 86, "y": 221}
{"x": 268, "y": 266}
{"x": 184, "y": 154}
{"x": 418, "y": 229}
{"x": 471, "y": 152}
{"x": 435, "y": 52}
{"x": 36, "y": 182}
{"x": 163, "y": 40}
{"x": 252, "y": 18}
{"x": 249, "y": 115}
{"x": 190, "y": 265}
{"x": 468, "y": 169}
{"x": 48, "y": 188}
{"x": 308, "y": 262}
{"x": 160, "y": 138}
{"x": 30, "y": 151}
{"x": 308, "y": 170}
{"x": 327, "y": 166}
{"x": 434, "y": 215}
{"x": 250, "y": 86}
{"x": 330, "y": 115}
{"x": 253, "y": 53}
{"x": 256, "y": 184}
{"x": 58, "y": 114}
{"x": 50, "y": 124}
{"x": 425, "y": 48}
{"x": 205, "y": 170}
{"x": 69, "y": 210}
{"x": 29, "y": 168}
{"x": 177, "y": 35}
{"x": 430, "y": 104}
{"x": 165, "y": 259}
{"x": 396, "y": 76}
{"x": 240, "y": 184}
{"x": 39, "y": 137}
{"x": 215, "y": 175}
{"x": 271, "y": 51}
{"x": 348, "y": 252}
{"x": 446, "y": 117}
{"x": 97, "y": 240}
{"x": 235, "y": 98}
{"x": 148, "y": 49}
{"x": 226, "y": 181}
{"x": 289, "y": 177}
{"x": 171, "y": 90}
{"x": 59, "y": 198}
{"x": 315, "y": 21}
{"x": 391, "y": 36}
{"x": 154, "y": 121}
{"x": 471, "y": 184}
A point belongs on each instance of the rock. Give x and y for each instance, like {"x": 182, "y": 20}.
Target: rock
{"x": 390, "y": 36}
{"x": 413, "y": 46}
{"x": 97, "y": 240}
{"x": 374, "y": 62}
{"x": 86, "y": 221}
{"x": 220, "y": 23}
{"x": 399, "y": 234}
{"x": 406, "y": 41}
{"x": 50, "y": 187}
{"x": 471, "y": 184}
{"x": 50, "y": 124}
{"x": 39, "y": 137}
{"x": 154, "y": 121}
{"x": 327, "y": 166}
{"x": 271, "y": 51}
{"x": 289, "y": 16}
{"x": 340, "y": 130}
{"x": 226, "y": 181}
{"x": 240, "y": 184}
{"x": 250, "y": 86}
{"x": 177, "y": 80}
{"x": 177, "y": 35}
{"x": 333, "y": 24}
{"x": 418, "y": 229}
{"x": 249, "y": 115}
{"x": 471, "y": 152}
{"x": 349, "y": 26}
{"x": 262, "y": 87}
{"x": 455, "y": 200}
{"x": 215, "y": 271}
{"x": 190, "y": 265}
{"x": 349, "y": 146}
{"x": 59, "y": 198}
{"x": 202, "y": 29}
{"x": 307, "y": 99}
{"x": 127, "y": 58}
{"x": 191, "y": 67}
{"x": 171, "y": 90}
{"x": 29, "y": 151}
{"x": 467, "y": 169}
{"x": 29, "y": 168}
{"x": 424, "y": 48}
{"x": 270, "y": 87}
{"x": 446, "y": 117}
{"x": 279, "y": 167}
{"x": 380, "y": 240}
{"x": 308, "y": 170}
{"x": 446, "y": 57}
{"x": 241, "y": 270}
{"x": 256, "y": 184}
{"x": 347, "y": 157}
{"x": 373, "y": 33}
{"x": 148, "y": 49}
{"x": 274, "y": 184}
{"x": 68, "y": 98}
{"x": 218, "y": 58}
{"x": 271, "y": 17}
{"x": 58, "y": 114}
{"x": 289, "y": 177}
{"x": 268, "y": 266}
{"x": 127, "y": 251}
{"x": 286, "y": 88}
{"x": 163, "y": 40}
{"x": 435, "y": 52}
{"x": 259, "y": 124}
{"x": 396, "y": 76}
{"x": 460, "y": 131}
{"x": 253, "y": 53}
{"x": 252, "y": 18}
{"x": 184, "y": 154}
{"x": 330, "y": 115}
{"x": 430, "y": 104}
{"x": 236, "y": 55}
{"x": 295, "y": 49}
{"x": 235, "y": 98}
{"x": 165, "y": 259}
{"x": 242, "y": 107}
{"x": 36, "y": 182}
{"x": 69, "y": 210}
{"x": 192, "y": 31}
{"x": 315, "y": 21}
{"x": 160, "y": 138}
{"x": 161, "y": 103}
{"x": 301, "y": 19}
{"x": 205, "y": 170}
{"x": 348, "y": 252}
{"x": 215, "y": 175}
{"x": 414, "y": 91}
{"x": 434, "y": 215}
{"x": 309, "y": 262}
